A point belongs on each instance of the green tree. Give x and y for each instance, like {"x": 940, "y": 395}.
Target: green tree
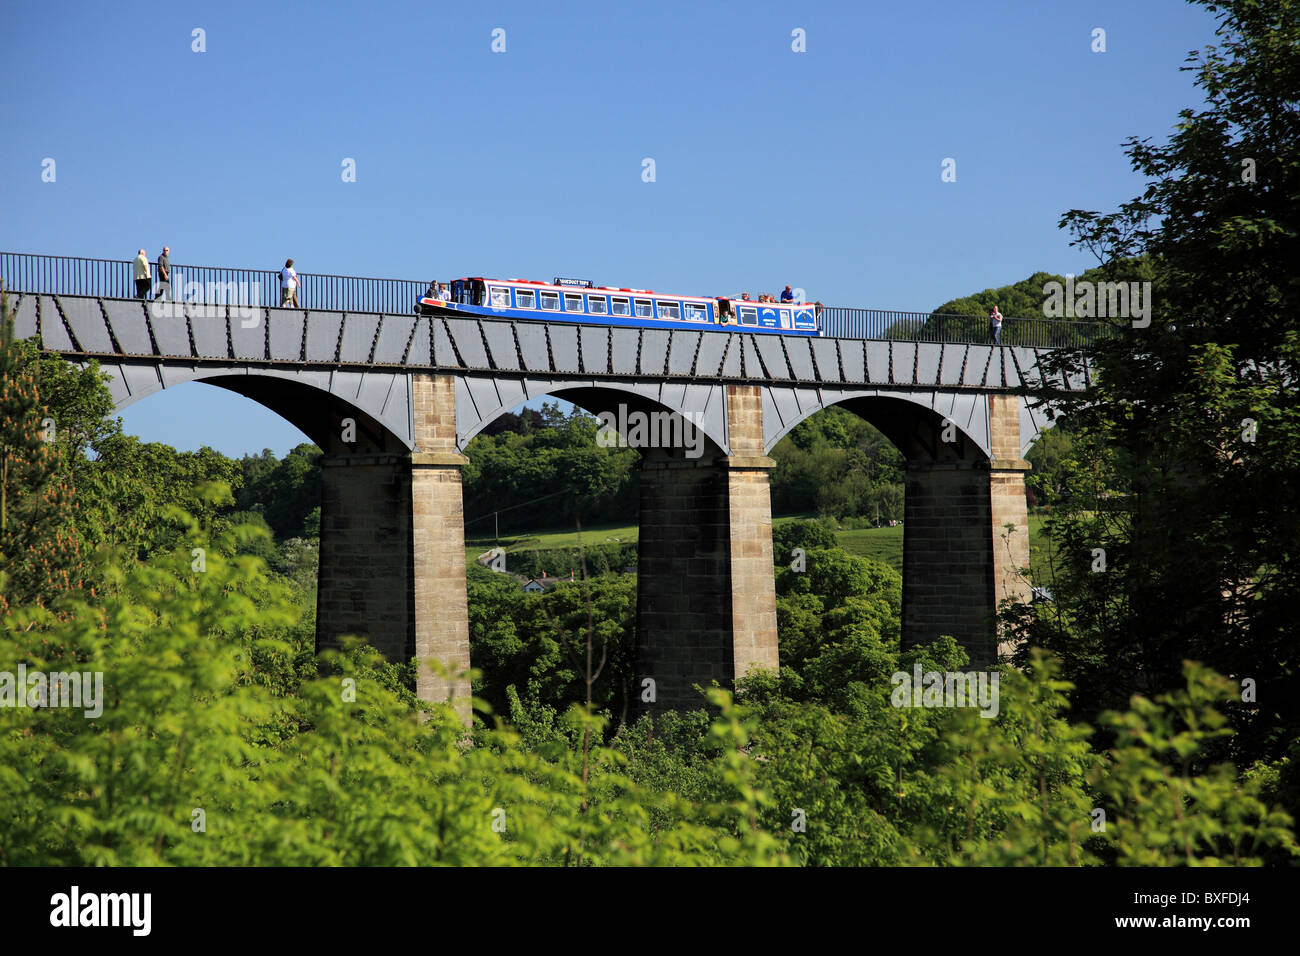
{"x": 536, "y": 643}
{"x": 1020, "y": 300}
{"x": 40, "y": 546}
{"x": 1170, "y": 806}
{"x": 1183, "y": 478}
{"x": 548, "y": 476}
{"x": 836, "y": 464}
{"x": 800, "y": 534}
{"x": 1047, "y": 456}
{"x": 211, "y": 744}
{"x": 137, "y": 483}
{"x": 286, "y": 492}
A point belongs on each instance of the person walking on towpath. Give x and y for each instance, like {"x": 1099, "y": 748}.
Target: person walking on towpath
{"x": 165, "y": 274}
{"x": 288, "y": 285}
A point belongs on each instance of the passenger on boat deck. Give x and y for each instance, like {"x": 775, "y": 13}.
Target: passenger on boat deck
{"x": 787, "y": 295}
{"x": 744, "y": 296}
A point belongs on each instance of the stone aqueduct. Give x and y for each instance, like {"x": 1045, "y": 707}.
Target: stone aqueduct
{"x": 392, "y": 559}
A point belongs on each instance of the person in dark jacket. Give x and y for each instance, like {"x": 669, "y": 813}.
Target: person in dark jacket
{"x": 165, "y": 274}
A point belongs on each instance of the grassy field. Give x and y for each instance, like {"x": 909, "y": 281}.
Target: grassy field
{"x": 886, "y": 544}
{"x": 601, "y": 534}
{"x": 880, "y": 544}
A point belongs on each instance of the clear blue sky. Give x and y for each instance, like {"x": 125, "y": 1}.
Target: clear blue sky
{"x": 819, "y": 169}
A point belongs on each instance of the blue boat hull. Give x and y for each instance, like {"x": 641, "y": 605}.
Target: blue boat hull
{"x": 455, "y": 309}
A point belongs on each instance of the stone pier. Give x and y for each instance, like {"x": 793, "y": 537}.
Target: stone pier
{"x": 392, "y": 557}
{"x": 364, "y": 581}
{"x": 959, "y": 558}
{"x": 706, "y": 601}
{"x": 438, "y": 530}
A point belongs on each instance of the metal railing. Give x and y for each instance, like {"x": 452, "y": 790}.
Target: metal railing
{"x": 114, "y": 278}
{"x": 939, "y": 327}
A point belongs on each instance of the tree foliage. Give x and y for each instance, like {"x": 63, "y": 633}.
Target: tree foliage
{"x": 40, "y": 544}
{"x": 1116, "y": 739}
{"x": 1177, "y": 526}
{"x": 835, "y": 464}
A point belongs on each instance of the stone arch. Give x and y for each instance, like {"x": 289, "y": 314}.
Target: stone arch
{"x": 367, "y": 560}
{"x": 786, "y": 407}
{"x": 316, "y": 401}
{"x": 965, "y": 524}
{"x": 480, "y": 400}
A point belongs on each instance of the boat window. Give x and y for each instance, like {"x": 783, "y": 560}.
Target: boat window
{"x": 524, "y": 298}
{"x": 668, "y": 310}
{"x": 620, "y": 307}
{"x": 572, "y": 303}
{"x": 748, "y": 316}
{"x": 500, "y": 297}
{"x": 644, "y": 309}
{"x": 785, "y": 317}
{"x": 695, "y": 312}
{"x": 598, "y": 304}
{"x": 550, "y": 301}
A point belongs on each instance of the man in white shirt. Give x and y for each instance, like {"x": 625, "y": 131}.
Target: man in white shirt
{"x": 288, "y": 285}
